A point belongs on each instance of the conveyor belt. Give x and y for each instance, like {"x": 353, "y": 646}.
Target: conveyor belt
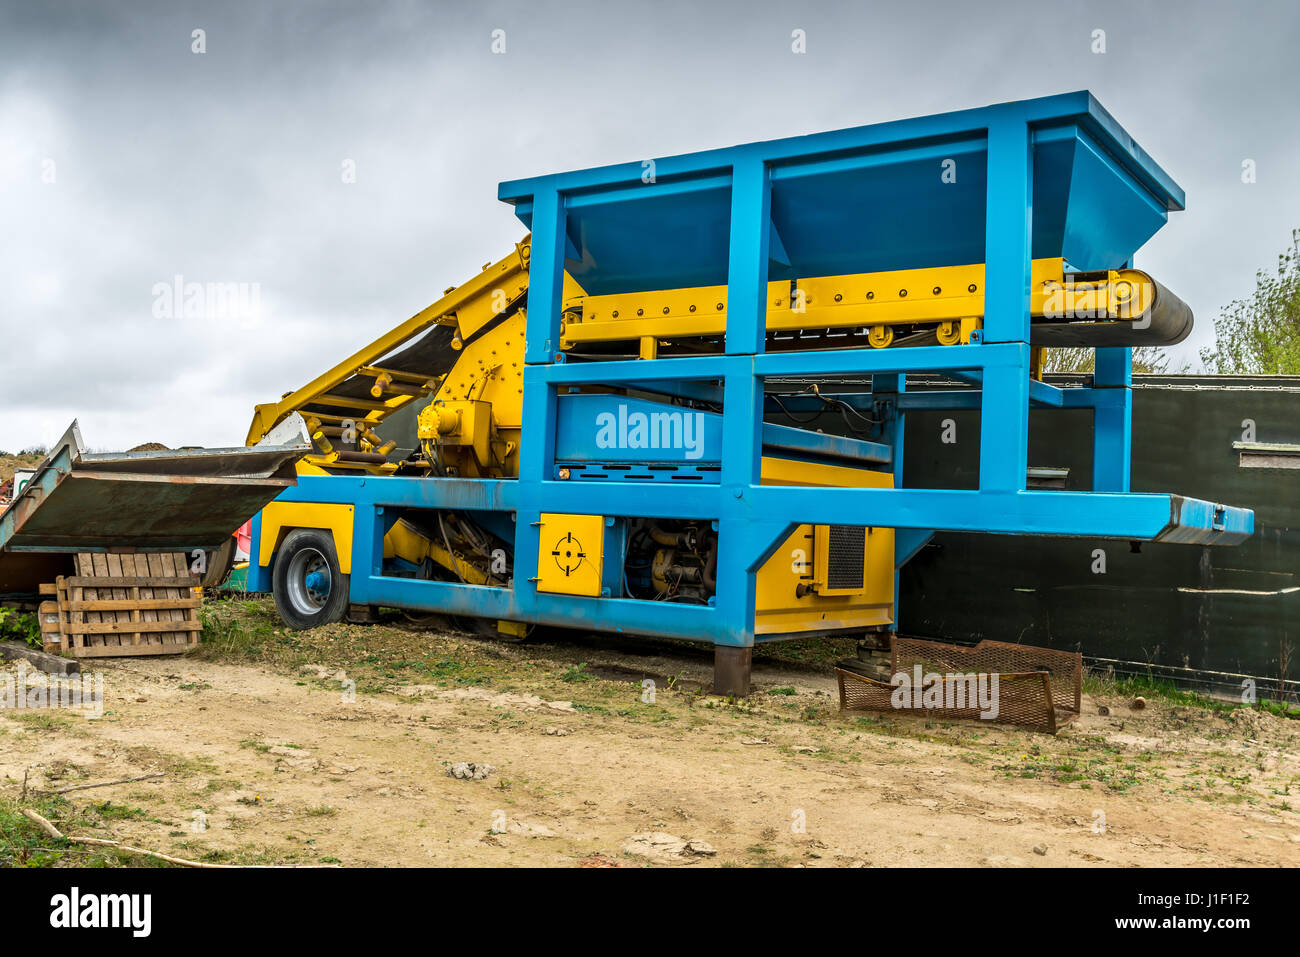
{"x": 1168, "y": 320}
{"x": 430, "y": 355}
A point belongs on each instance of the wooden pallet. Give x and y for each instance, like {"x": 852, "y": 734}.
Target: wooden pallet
{"x": 145, "y": 603}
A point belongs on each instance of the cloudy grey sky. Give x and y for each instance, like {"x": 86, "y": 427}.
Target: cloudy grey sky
{"x": 226, "y": 166}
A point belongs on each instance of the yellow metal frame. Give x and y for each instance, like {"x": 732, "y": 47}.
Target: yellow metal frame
{"x": 479, "y": 405}
{"x": 950, "y": 296}
{"x": 498, "y": 288}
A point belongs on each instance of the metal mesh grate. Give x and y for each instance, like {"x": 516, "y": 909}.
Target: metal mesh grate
{"x": 1037, "y": 688}
{"x": 847, "y": 549}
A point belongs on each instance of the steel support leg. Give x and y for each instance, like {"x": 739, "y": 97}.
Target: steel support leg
{"x": 731, "y": 670}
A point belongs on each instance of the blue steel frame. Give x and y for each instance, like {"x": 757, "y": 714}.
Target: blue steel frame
{"x": 753, "y": 519}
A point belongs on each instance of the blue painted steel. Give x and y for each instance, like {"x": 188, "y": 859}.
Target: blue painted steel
{"x": 259, "y": 576}
{"x": 594, "y": 427}
{"x": 710, "y": 472}
{"x": 1112, "y": 438}
{"x": 1096, "y": 198}
{"x": 1052, "y": 176}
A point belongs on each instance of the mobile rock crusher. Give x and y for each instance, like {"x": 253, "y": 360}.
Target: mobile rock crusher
{"x": 601, "y": 430}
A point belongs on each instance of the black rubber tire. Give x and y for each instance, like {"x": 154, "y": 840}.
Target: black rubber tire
{"x": 304, "y": 547}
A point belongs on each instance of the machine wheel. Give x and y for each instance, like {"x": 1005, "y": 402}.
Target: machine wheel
{"x": 309, "y": 589}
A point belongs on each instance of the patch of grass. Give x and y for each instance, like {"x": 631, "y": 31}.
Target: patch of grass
{"x": 578, "y": 672}
{"x": 238, "y": 631}
{"x": 117, "y": 812}
{"x": 1281, "y": 709}
{"x": 21, "y": 626}
{"x": 46, "y": 721}
{"x": 24, "y": 844}
{"x": 376, "y": 656}
{"x": 320, "y": 810}
{"x": 1153, "y": 688}
{"x": 174, "y": 765}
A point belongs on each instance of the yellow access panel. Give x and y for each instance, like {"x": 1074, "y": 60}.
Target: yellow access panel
{"x": 799, "y": 590}
{"x": 570, "y": 554}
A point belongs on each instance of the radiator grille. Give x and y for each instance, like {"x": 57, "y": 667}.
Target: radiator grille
{"x": 845, "y": 555}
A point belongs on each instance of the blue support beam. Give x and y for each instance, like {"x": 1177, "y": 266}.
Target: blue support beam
{"x": 545, "y": 277}
{"x": 1112, "y": 422}
{"x": 1004, "y": 410}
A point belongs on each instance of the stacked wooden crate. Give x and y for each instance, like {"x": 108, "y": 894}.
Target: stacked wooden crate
{"x": 145, "y": 603}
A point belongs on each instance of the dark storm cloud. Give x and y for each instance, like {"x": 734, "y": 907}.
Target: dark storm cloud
{"x": 225, "y": 166}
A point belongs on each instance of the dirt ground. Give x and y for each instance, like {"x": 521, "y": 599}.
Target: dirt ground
{"x": 10, "y": 462}
{"x": 268, "y": 756}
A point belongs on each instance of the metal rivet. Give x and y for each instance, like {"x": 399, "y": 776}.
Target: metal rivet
{"x": 640, "y": 312}
{"x": 665, "y": 310}
{"x": 970, "y": 288}
{"x": 871, "y": 295}
{"x": 936, "y": 290}
{"x": 615, "y": 313}
{"x": 692, "y": 308}
{"x": 902, "y": 294}
{"x": 719, "y": 307}
{"x": 838, "y": 297}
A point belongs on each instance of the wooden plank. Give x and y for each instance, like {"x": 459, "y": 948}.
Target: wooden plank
{"x": 167, "y": 562}
{"x": 49, "y": 588}
{"x": 66, "y": 616}
{"x": 181, "y": 563}
{"x": 100, "y": 560}
{"x": 51, "y": 664}
{"x": 52, "y": 627}
{"x": 125, "y": 566}
{"x": 139, "y": 579}
{"x": 157, "y": 571}
{"x": 114, "y": 562}
{"x": 48, "y": 616}
{"x": 141, "y": 568}
{"x": 114, "y": 652}
{"x": 86, "y": 566}
{"x": 188, "y": 615}
{"x": 127, "y": 604}
{"x": 61, "y": 587}
{"x": 112, "y": 628}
